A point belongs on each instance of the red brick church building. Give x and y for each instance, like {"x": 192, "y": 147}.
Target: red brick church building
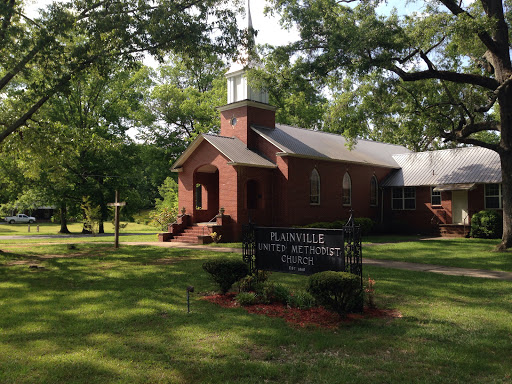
{"x": 278, "y": 175}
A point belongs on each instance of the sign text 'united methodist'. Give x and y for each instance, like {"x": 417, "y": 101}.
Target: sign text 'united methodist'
{"x": 297, "y": 250}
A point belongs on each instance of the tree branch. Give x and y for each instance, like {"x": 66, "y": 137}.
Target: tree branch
{"x": 19, "y": 67}
{"x": 469, "y": 129}
{"x": 38, "y": 104}
{"x": 484, "y": 37}
{"x": 455, "y": 77}
{"x": 479, "y": 143}
{"x": 489, "y": 105}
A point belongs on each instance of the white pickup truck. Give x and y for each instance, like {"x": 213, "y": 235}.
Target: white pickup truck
{"x": 20, "y": 218}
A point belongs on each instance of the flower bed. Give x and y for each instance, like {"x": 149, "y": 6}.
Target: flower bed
{"x": 316, "y": 317}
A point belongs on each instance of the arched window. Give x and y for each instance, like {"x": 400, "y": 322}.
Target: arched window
{"x": 347, "y": 189}
{"x": 374, "y": 191}
{"x": 199, "y": 196}
{"x": 314, "y": 189}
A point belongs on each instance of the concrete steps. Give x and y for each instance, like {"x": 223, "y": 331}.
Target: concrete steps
{"x": 196, "y": 234}
{"x": 454, "y": 230}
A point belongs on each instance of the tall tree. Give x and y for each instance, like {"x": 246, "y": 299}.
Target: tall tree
{"x": 449, "y": 64}
{"x": 182, "y": 102}
{"x": 78, "y": 147}
{"x": 38, "y": 58}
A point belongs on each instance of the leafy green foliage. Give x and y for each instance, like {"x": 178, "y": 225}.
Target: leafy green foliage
{"x": 92, "y": 216}
{"x": 246, "y": 298}
{"x": 39, "y": 58}
{"x": 255, "y": 279}
{"x": 182, "y": 102}
{"x": 301, "y": 300}
{"x": 429, "y": 79}
{"x": 166, "y": 209}
{"x": 226, "y": 272}
{"x": 269, "y": 292}
{"x": 356, "y": 55}
{"x": 487, "y": 225}
{"x": 79, "y": 146}
{"x": 339, "y": 291}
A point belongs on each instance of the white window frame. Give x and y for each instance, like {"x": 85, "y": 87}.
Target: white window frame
{"x": 437, "y": 193}
{"x": 499, "y": 196}
{"x": 402, "y": 199}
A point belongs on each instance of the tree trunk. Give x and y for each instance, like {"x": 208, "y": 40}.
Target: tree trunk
{"x": 505, "y": 101}
{"x": 506, "y": 191}
{"x": 63, "y": 218}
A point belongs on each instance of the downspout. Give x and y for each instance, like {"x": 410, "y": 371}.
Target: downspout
{"x": 382, "y": 206}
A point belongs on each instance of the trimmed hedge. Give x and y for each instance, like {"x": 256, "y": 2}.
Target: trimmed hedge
{"x": 226, "y": 272}
{"x": 365, "y": 223}
{"x": 339, "y": 291}
{"x": 487, "y": 225}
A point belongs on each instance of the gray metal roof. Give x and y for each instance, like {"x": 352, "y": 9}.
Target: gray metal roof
{"x": 447, "y": 166}
{"x": 322, "y": 145}
{"x": 237, "y": 152}
{"x": 231, "y": 147}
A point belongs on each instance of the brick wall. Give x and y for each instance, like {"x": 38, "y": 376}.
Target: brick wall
{"x": 245, "y": 116}
{"x": 425, "y": 218}
{"x": 206, "y": 154}
{"x": 331, "y": 207}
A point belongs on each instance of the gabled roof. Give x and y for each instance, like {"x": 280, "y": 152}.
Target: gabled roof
{"x": 293, "y": 141}
{"x": 231, "y": 147}
{"x": 449, "y": 166}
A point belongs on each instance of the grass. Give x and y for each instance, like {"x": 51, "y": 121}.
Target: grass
{"x": 86, "y": 239}
{"x": 374, "y": 239}
{"x": 119, "y": 316}
{"x": 76, "y": 228}
{"x": 459, "y": 252}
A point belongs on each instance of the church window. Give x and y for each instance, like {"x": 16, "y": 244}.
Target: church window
{"x": 374, "y": 191}
{"x": 347, "y": 189}
{"x": 314, "y": 191}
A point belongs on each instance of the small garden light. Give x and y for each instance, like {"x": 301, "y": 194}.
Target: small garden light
{"x": 190, "y": 288}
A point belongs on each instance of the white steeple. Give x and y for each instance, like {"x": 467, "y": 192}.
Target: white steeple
{"x": 238, "y": 88}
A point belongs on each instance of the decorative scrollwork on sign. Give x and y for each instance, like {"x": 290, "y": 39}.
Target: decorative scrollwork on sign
{"x": 249, "y": 246}
{"x": 353, "y": 250}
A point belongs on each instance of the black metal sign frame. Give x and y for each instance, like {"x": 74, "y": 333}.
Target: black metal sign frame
{"x": 303, "y": 251}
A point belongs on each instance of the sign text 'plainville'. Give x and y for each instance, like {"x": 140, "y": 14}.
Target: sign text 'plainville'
{"x": 299, "y": 250}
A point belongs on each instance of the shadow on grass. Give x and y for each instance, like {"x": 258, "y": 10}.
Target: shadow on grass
{"x": 120, "y": 316}
{"x": 463, "y": 253}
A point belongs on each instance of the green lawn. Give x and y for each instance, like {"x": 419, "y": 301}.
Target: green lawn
{"x": 53, "y": 229}
{"x": 464, "y": 253}
{"x": 119, "y": 316}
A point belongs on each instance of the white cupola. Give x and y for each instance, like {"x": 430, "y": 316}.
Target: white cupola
{"x": 238, "y": 87}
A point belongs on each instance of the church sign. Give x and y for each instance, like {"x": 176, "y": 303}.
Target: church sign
{"x": 298, "y": 250}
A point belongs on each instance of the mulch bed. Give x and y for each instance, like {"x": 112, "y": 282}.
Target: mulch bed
{"x": 316, "y": 317}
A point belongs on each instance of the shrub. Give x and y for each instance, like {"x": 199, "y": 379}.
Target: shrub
{"x": 302, "y": 300}
{"x": 226, "y": 272}
{"x": 339, "y": 291}
{"x": 365, "y": 223}
{"x": 268, "y": 292}
{"x": 246, "y": 298}
{"x": 249, "y": 283}
{"x": 487, "y": 225}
